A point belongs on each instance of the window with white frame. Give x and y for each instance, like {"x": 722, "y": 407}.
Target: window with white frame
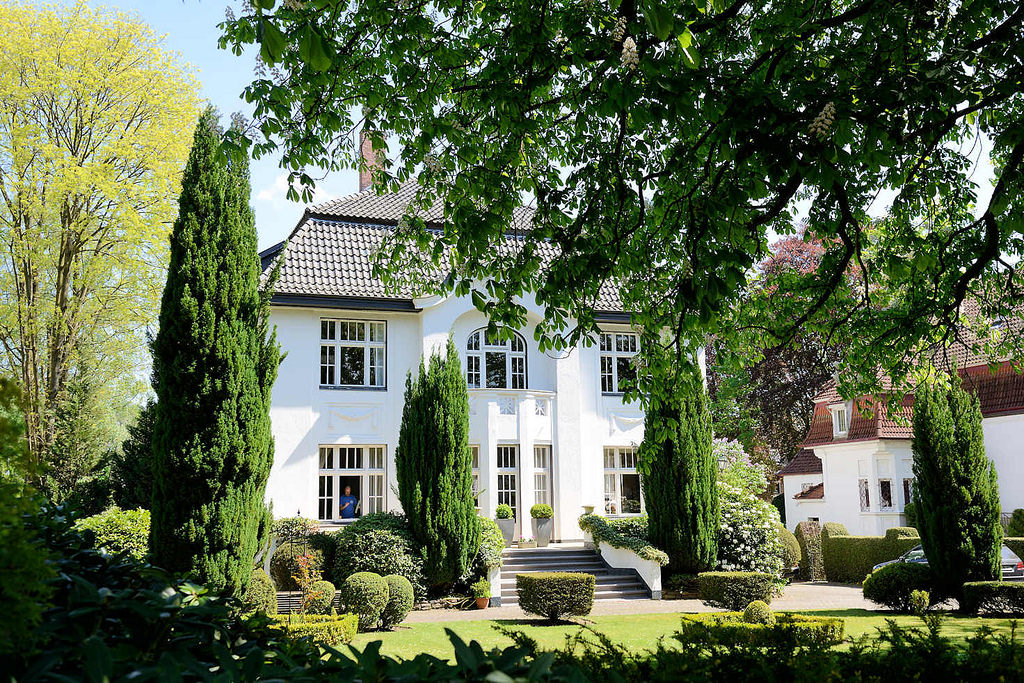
{"x": 840, "y": 419}
{"x": 474, "y": 454}
{"x": 352, "y": 353}
{"x": 618, "y": 353}
{"x": 542, "y": 474}
{"x": 361, "y": 469}
{"x": 508, "y": 476}
{"x": 622, "y": 495}
{"x": 908, "y": 492}
{"x": 885, "y": 494}
{"x": 496, "y": 360}
{"x": 865, "y": 495}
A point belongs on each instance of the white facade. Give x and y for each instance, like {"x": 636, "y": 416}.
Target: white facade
{"x": 560, "y": 420}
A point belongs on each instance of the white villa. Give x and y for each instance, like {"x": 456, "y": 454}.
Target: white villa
{"x": 543, "y": 427}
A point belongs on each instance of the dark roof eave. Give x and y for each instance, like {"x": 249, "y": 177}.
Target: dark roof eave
{"x": 612, "y": 317}
{"x": 352, "y": 303}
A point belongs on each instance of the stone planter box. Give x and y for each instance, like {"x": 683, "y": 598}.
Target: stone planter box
{"x": 542, "y": 531}
{"x": 527, "y": 544}
{"x": 508, "y": 530}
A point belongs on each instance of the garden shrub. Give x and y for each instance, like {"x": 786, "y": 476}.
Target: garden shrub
{"x": 919, "y": 601}
{"x": 365, "y": 594}
{"x": 790, "y": 547}
{"x": 320, "y": 599}
{"x": 748, "y": 539}
{"x": 542, "y": 511}
{"x": 327, "y": 544}
{"x": 910, "y": 512}
{"x": 633, "y": 527}
{"x": 604, "y": 532}
{"x": 488, "y": 555}
{"x": 892, "y": 584}
{"x": 120, "y": 531}
{"x": 379, "y": 521}
{"x": 284, "y": 563}
{"x": 1016, "y": 526}
{"x": 735, "y": 590}
{"x": 400, "y": 600}
{"x": 1015, "y": 544}
{"x": 808, "y": 535}
{"x": 848, "y": 559}
{"x": 758, "y": 612}
{"x": 996, "y": 597}
{"x": 260, "y": 594}
{"x": 380, "y": 551}
{"x": 323, "y": 629}
{"x": 731, "y": 629}
{"x": 556, "y": 594}
{"x": 503, "y": 511}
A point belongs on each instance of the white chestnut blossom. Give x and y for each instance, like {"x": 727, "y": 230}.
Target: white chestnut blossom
{"x": 619, "y": 32}
{"x": 630, "y": 58}
{"x": 823, "y": 121}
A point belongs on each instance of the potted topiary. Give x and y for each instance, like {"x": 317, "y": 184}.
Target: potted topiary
{"x": 542, "y": 514}
{"x": 506, "y": 522}
{"x": 482, "y": 592}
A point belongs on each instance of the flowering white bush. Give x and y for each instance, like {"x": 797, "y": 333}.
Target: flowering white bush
{"x": 748, "y": 538}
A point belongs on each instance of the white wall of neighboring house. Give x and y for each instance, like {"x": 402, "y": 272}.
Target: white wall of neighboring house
{"x": 799, "y": 510}
{"x": 563, "y": 407}
{"x": 1004, "y": 445}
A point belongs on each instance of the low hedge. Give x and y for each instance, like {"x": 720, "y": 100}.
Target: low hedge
{"x": 365, "y": 594}
{"x": 323, "y": 629}
{"x": 260, "y": 594}
{"x": 786, "y": 631}
{"x": 556, "y": 594}
{"x": 848, "y": 559}
{"x": 808, "y": 535}
{"x": 996, "y": 597}
{"x": 603, "y": 532}
{"x": 735, "y": 590}
{"x": 1016, "y": 544}
{"x": 893, "y": 584}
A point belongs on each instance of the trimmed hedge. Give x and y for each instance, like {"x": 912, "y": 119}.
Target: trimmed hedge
{"x": 758, "y": 612}
{"x": 735, "y": 590}
{"x": 365, "y": 594}
{"x": 321, "y": 598}
{"x": 260, "y": 594}
{"x": 503, "y": 511}
{"x": 808, "y": 535}
{"x": 322, "y": 629}
{"x": 399, "y": 602}
{"x": 996, "y": 597}
{"x": 790, "y": 548}
{"x": 893, "y": 584}
{"x": 848, "y": 559}
{"x": 283, "y": 565}
{"x": 603, "y": 532}
{"x": 119, "y": 531}
{"x": 788, "y": 630}
{"x": 541, "y": 511}
{"x": 1015, "y": 544}
{"x": 556, "y": 594}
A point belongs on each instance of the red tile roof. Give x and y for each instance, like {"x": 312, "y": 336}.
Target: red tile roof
{"x": 816, "y": 492}
{"x": 804, "y": 462}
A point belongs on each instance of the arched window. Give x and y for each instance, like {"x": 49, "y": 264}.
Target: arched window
{"x": 497, "y": 361}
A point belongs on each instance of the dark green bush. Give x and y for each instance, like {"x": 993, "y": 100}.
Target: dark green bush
{"x": 1016, "y": 526}
{"x": 365, "y": 594}
{"x": 542, "y": 511}
{"x": 790, "y": 548}
{"x": 327, "y": 544}
{"x": 892, "y": 584}
{"x": 758, "y": 612}
{"x": 556, "y": 594}
{"x": 322, "y": 629}
{"x": 380, "y": 551}
{"x": 283, "y": 565}
{"x": 808, "y": 535}
{"x": 321, "y": 598}
{"x": 400, "y": 601}
{"x": 1015, "y": 544}
{"x": 503, "y": 511}
{"x": 910, "y": 512}
{"x": 731, "y": 629}
{"x": 996, "y": 597}
{"x": 848, "y": 559}
{"x": 735, "y": 590}
{"x": 379, "y": 521}
{"x": 260, "y": 594}
{"x": 120, "y": 531}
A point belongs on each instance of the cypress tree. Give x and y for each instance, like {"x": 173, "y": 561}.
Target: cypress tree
{"x": 214, "y": 364}
{"x": 679, "y": 474}
{"x": 955, "y": 489}
{"x": 434, "y": 468}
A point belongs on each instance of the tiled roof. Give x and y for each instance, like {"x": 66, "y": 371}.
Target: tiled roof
{"x": 816, "y": 492}
{"x": 804, "y": 462}
{"x": 330, "y": 252}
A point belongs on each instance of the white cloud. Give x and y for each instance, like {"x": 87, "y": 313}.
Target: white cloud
{"x": 276, "y": 192}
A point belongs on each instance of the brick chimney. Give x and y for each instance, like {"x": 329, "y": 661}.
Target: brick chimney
{"x": 369, "y": 160}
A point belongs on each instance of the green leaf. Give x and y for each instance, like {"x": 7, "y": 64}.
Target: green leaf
{"x": 272, "y": 41}
{"x": 659, "y": 19}
{"x": 312, "y": 49}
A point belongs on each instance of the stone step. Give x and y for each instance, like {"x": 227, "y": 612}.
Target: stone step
{"x": 551, "y": 562}
{"x": 552, "y": 557}
{"x": 512, "y": 598}
{"x": 599, "y": 579}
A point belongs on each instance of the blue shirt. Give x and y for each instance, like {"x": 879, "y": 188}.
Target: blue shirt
{"x": 350, "y": 511}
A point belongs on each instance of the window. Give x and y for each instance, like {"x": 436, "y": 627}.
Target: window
{"x": 508, "y": 471}
{"x": 496, "y": 360}
{"x": 885, "y": 494}
{"x": 908, "y": 491}
{"x": 474, "y": 454}
{"x": 542, "y": 474}
{"x": 361, "y": 468}
{"x": 621, "y": 482}
{"x": 865, "y": 496}
{"x": 805, "y": 486}
{"x": 352, "y": 353}
{"x": 618, "y": 351}
{"x": 840, "y": 419}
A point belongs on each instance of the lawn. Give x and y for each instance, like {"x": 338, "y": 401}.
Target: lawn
{"x": 635, "y": 631}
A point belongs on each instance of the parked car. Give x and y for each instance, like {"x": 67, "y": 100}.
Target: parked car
{"x": 1012, "y": 566}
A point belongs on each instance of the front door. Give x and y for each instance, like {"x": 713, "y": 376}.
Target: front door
{"x": 508, "y": 480}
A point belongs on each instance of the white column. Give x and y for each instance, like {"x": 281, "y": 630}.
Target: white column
{"x": 567, "y": 472}
{"x": 525, "y": 410}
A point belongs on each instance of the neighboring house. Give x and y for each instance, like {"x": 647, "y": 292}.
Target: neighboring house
{"x": 544, "y": 427}
{"x": 856, "y": 463}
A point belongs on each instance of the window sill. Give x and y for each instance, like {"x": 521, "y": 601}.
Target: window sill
{"x": 328, "y": 387}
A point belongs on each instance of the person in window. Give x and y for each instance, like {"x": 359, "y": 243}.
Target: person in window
{"x": 347, "y": 504}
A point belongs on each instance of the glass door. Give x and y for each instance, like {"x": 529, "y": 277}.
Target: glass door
{"x": 508, "y": 479}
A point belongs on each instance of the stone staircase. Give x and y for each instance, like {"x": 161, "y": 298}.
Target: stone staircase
{"x": 571, "y": 558}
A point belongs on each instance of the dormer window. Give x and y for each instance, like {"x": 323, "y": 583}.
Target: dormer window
{"x": 840, "y": 419}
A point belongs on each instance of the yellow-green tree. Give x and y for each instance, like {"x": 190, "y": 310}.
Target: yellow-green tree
{"x": 95, "y": 121}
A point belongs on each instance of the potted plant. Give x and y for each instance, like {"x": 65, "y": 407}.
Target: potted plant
{"x": 542, "y": 514}
{"x": 506, "y": 522}
{"x": 482, "y": 592}
{"x": 526, "y": 543}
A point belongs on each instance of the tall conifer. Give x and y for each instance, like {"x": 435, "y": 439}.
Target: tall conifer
{"x": 214, "y": 363}
{"x": 434, "y": 468}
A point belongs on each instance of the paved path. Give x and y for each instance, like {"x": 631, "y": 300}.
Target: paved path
{"x": 797, "y": 596}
